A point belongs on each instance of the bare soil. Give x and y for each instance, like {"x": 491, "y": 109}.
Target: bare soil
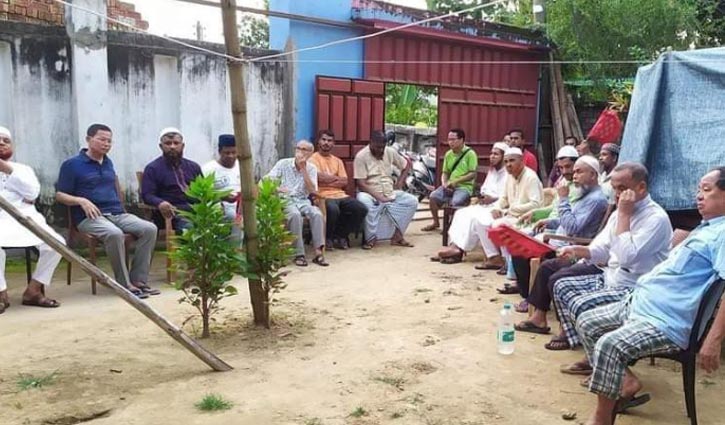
{"x": 380, "y": 337}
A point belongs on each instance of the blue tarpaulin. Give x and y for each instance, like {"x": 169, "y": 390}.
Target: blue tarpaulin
{"x": 676, "y": 123}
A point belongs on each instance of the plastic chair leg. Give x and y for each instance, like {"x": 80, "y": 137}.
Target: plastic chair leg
{"x": 688, "y": 383}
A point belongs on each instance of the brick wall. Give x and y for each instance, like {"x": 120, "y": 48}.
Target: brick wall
{"x": 50, "y": 12}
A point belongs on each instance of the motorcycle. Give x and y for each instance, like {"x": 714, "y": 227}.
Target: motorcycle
{"x": 420, "y": 181}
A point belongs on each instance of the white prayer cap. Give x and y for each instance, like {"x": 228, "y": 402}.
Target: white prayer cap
{"x": 567, "y": 152}
{"x": 169, "y": 130}
{"x": 513, "y": 152}
{"x": 5, "y": 132}
{"x": 502, "y": 146}
{"x": 589, "y": 161}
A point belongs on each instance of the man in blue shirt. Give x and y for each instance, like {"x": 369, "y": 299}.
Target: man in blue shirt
{"x": 166, "y": 178}
{"x": 88, "y": 184}
{"x": 659, "y": 314}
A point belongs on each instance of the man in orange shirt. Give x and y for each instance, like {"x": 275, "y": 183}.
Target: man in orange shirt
{"x": 344, "y": 214}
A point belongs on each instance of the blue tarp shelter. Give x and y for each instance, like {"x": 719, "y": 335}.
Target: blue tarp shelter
{"x": 676, "y": 123}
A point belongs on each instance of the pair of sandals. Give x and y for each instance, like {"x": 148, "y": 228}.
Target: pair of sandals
{"x": 38, "y": 301}
{"x": 301, "y": 261}
{"x": 143, "y": 291}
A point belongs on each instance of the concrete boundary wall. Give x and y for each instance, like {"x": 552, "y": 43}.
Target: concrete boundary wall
{"x": 54, "y": 83}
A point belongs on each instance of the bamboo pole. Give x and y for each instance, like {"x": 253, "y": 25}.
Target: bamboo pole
{"x": 566, "y": 124}
{"x": 104, "y": 279}
{"x": 257, "y": 295}
{"x": 555, "y": 110}
{"x": 576, "y": 127}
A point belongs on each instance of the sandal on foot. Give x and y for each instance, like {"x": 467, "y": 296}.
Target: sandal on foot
{"x": 452, "y": 260}
{"x": 300, "y": 261}
{"x": 558, "y": 343}
{"x": 430, "y": 228}
{"x": 487, "y": 266}
{"x": 42, "y": 301}
{"x": 522, "y": 307}
{"x": 625, "y": 403}
{"x": 147, "y": 289}
{"x": 577, "y": 368}
{"x": 508, "y": 289}
{"x": 401, "y": 242}
{"x": 370, "y": 244}
{"x": 320, "y": 261}
{"x": 138, "y": 293}
{"x": 529, "y": 326}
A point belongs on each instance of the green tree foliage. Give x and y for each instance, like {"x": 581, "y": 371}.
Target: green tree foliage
{"x": 205, "y": 255}
{"x": 711, "y": 19}
{"x": 410, "y": 105}
{"x": 275, "y": 241}
{"x": 254, "y": 30}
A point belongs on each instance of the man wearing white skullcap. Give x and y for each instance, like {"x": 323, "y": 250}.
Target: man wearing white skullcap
{"x": 20, "y": 187}
{"x": 522, "y": 193}
{"x": 166, "y": 178}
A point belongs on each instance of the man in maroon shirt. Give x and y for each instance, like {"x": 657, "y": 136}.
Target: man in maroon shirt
{"x": 519, "y": 141}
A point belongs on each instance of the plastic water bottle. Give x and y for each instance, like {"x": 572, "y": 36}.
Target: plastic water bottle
{"x": 506, "y": 330}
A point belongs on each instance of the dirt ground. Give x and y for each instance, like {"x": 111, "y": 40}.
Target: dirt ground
{"x": 380, "y": 337}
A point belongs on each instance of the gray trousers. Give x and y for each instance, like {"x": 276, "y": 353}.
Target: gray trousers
{"x": 230, "y": 213}
{"x": 295, "y": 214}
{"x": 110, "y": 230}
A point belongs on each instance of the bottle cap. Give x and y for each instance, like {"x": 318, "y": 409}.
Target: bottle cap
{"x": 507, "y": 306}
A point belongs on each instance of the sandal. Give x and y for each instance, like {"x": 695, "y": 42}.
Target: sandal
{"x": 146, "y": 289}
{"x": 487, "y": 266}
{"x": 430, "y": 228}
{"x": 137, "y": 292}
{"x": 522, "y": 307}
{"x": 300, "y": 261}
{"x": 558, "y": 343}
{"x": 320, "y": 261}
{"x": 401, "y": 242}
{"x": 581, "y": 367}
{"x": 369, "y": 244}
{"x": 625, "y": 403}
{"x": 508, "y": 290}
{"x": 42, "y": 301}
{"x": 452, "y": 260}
{"x": 529, "y": 326}
{"x": 341, "y": 243}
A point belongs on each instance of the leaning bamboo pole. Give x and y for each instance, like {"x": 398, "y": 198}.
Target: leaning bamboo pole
{"x": 257, "y": 295}
{"x": 104, "y": 279}
{"x": 556, "y": 121}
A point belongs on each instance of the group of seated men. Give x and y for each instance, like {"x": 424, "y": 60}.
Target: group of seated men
{"x": 89, "y": 185}
{"x": 633, "y": 291}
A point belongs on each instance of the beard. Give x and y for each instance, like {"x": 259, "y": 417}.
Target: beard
{"x": 6, "y": 155}
{"x": 173, "y": 157}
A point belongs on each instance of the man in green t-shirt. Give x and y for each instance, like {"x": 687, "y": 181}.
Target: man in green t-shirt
{"x": 460, "y": 166}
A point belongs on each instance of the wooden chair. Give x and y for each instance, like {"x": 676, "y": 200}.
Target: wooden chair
{"x": 688, "y": 357}
{"x": 167, "y": 232}
{"x": 29, "y": 252}
{"x": 92, "y": 243}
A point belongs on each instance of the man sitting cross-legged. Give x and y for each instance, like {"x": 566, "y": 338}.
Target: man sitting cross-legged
{"x": 298, "y": 180}
{"x": 460, "y": 165}
{"x": 659, "y": 314}
{"x": 20, "y": 187}
{"x": 390, "y": 210}
{"x": 580, "y": 218}
{"x": 635, "y": 239}
{"x": 344, "y": 213}
{"x": 523, "y": 192}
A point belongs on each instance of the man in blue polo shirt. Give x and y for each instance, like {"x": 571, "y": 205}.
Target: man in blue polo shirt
{"x": 660, "y": 312}
{"x": 89, "y": 185}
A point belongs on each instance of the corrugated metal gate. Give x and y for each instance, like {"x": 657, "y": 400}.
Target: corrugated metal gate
{"x": 352, "y": 109}
{"x": 485, "y": 99}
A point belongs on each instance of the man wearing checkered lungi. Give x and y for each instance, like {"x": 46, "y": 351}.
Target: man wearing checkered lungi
{"x": 660, "y": 312}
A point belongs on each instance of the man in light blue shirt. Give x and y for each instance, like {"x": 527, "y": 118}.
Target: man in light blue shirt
{"x": 659, "y": 314}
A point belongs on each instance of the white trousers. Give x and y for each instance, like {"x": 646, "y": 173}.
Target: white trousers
{"x": 470, "y": 228}
{"x": 47, "y": 262}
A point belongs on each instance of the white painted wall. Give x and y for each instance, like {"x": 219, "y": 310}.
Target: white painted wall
{"x": 137, "y": 97}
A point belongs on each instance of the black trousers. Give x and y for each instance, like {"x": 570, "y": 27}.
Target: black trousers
{"x": 549, "y": 272}
{"x": 344, "y": 216}
{"x": 523, "y": 271}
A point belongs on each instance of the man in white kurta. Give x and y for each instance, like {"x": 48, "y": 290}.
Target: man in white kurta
{"x": 462, "y": 233}
{"x": 20, "y": 187}
{"x": 522, "y": 192}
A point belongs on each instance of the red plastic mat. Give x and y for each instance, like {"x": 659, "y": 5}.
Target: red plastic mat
{"x": 519, "y": 244}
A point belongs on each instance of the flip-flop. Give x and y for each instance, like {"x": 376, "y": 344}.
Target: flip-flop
{"x": 147, "y": 289}
{"x": 625, "y": 403}
{"x": 522, "y": 307}
{"x": 367, "y": 245}
{"x": 401, "y": 242}
{"x": 487, "y": 266}
{"x": 430, "y": 228}
{"x": 452, "y": 260}
{"x": 42, "y": 302}
{"x": 508, "y": 290}
{"x": 138, "y": 293}
{"x": 300, "y": 261}
{"x": 577, "y": 368}
{"x": 320, "y": 261}
{"x": 558, "y": 344}
{"x": 529, "y": 326}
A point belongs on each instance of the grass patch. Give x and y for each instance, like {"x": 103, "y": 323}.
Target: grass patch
{"x": 396, "y": 382}
{"x": 359, "y": 412}
{"x": 213, "y": 403}
{"x": 28, "y": 382}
